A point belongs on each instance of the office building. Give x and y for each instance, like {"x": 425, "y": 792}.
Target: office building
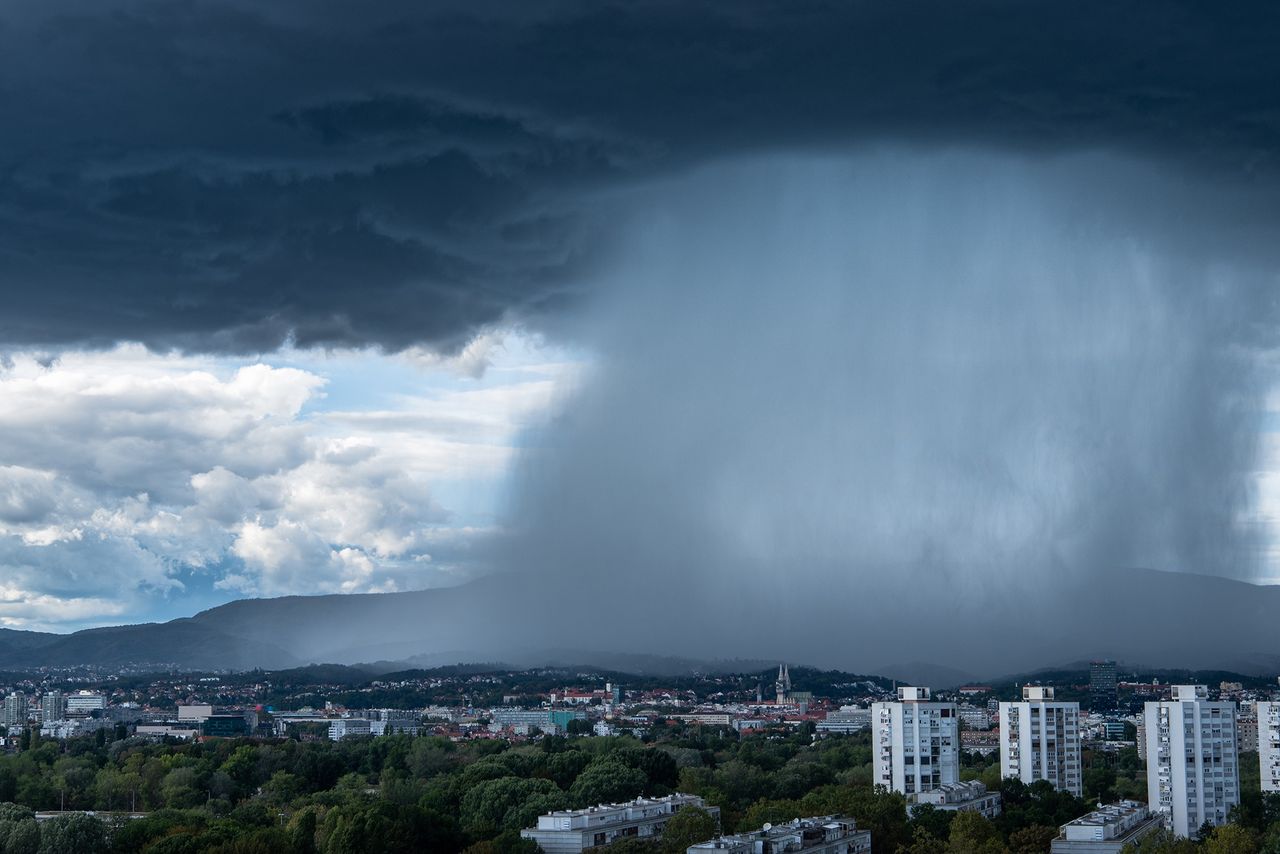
{"x": 574, "y": 831}
{"x": 15, "y": 710}
{"x": 85, "y": 703}
{"x": 1040, "y": 740}
{"x": 1107, "y": 830}
{"x": 1268, "y": 744}
{"x": 829, "y": 834}
{"x": 916, "y": 742}
{"x": 971, "y": 796}
{"x": 195, "y": 714}
{"x": 53, "y": 706}
{"x": 348, "y": 728}
{"x": 1192, "y": 770}
{"x": 1103, "y": 693}
{"x": 224, "y": 726}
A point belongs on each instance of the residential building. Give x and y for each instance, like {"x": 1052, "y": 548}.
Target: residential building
{"x": 1192, "y": 769}
{"x": 53, "y": 706}
{"x": 848, "y": 720}
{"x": 916, "y": 742}
{"x": 1106, "y": 830}
{"x": 1040, "y": 740}
{"x": 15, "y": 710}
{"x": 574, "y": 831}
{"x": 547, "y": 720}
{"x": 829, "y": 834}
{"x": 1103, "y": 691}
{"x": 1268, "y": 744}
{"x": 971, "y": 796}
{"x": 974, "y": 717}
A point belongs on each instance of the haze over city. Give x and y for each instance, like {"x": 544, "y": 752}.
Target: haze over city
{"x": 824, "y": 332}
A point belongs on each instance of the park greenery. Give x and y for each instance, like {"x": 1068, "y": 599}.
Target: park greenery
{"x": 404, "y": 793}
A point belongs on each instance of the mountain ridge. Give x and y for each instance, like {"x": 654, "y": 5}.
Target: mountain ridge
{"x": 1141, "y": 616}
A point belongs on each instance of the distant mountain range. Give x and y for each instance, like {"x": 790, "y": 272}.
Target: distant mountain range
{"x": 1140, "y": 616}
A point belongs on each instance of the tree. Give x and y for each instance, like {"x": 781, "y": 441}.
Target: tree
{"x": 607, "y": 781}
{"x": 1231, "y": 839}
{"x": 1035, "y": 839}
{"x": 73, "y": 834}
{"x": 972, "y": 833}
{"x": 496, "y": 805}
{"x": 924, "y": 842}
{"x": 689, "y": 826}
{"x": 933, "y": 820}
{"x": 1162, "y": 841}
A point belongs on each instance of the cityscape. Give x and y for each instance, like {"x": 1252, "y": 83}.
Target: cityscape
{"x": 1103, "y": 759}
{"x": 639, "y": 427}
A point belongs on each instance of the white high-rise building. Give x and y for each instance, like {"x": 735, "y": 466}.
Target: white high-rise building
{"x": 53, "y": 706}
{"x": 917, "y": 742}
{"x": 1192, "y": 770}
{"x": 1268, "y": 745}
{"x": 1040, "y": 740}
{"x": 15, "y": 710}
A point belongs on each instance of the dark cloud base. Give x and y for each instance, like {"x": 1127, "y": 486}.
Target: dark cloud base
{"x": 226, "y": 177}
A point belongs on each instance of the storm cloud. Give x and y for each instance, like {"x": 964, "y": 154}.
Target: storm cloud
{"x": 224, "y": 176}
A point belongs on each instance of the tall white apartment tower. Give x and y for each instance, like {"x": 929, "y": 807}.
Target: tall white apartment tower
{"x": 1040, "y": 740}
{"x": 1268, "y": 745}
{"x": 1192, "y": 771}
{"x": 917, "y": 743}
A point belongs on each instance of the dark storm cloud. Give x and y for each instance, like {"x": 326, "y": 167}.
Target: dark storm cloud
{"x": 226, "y": 175}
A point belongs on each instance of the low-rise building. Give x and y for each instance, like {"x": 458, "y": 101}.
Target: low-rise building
{"x": 167, "y": 731}
{"x": 195, "y": 713}
{"x": 829, "y": 834}
{"x": 970, "y": 796}
{"x": 85, "y": 703}
{"x": 849, "y": 719}
{"x": 1107, "y": 830}
{"x": 574, "y": 831}
{"x": 224, "y": 726}
{"x": 341, "y": 728}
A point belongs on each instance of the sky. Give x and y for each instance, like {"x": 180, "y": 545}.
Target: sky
{"x": 756, "y": 298}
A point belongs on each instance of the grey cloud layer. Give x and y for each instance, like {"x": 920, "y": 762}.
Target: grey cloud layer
{"x": 221, "y": 176}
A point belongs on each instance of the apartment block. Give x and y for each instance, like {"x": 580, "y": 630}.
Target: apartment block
{"x": 1268, "y": 745}
{"x": 1192, "y": 761}
{"x": 916, "y": 742}
{"x": 1040, "y": 740}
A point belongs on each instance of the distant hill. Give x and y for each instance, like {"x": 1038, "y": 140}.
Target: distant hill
{"x": 1159, "y": 619}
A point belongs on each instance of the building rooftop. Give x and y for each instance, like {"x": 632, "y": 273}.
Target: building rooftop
{"x": 795, "y": 835}
{"x": 607, "y": 814}
{"x": 1189, "y": 693}
{"x": 953, "y": 793}
{"x": 1111, "y": 822}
